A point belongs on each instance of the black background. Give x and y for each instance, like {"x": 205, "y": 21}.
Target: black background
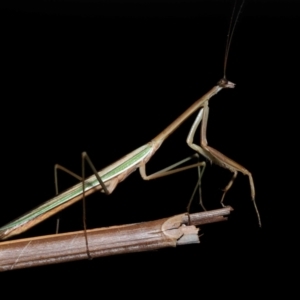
{"x": 107, "y": 78}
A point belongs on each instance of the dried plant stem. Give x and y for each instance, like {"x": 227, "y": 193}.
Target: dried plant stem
{"x": 50, "y": 249}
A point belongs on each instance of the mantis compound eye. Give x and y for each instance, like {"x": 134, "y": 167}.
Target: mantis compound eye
{"x": 224, "y": 83}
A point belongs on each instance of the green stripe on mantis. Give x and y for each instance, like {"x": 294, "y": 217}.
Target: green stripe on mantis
{"x": 76, "y": 190}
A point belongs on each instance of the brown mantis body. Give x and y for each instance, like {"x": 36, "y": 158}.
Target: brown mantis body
{"x": 108, "y": 178}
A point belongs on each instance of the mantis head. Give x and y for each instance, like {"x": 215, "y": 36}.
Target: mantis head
{"x": 224, "y": 83}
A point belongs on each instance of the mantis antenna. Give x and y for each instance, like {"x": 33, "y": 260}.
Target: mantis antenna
{"x": 230, "y": 33}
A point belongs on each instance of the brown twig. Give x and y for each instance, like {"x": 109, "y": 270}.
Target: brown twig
{"x": 50, "y": 249}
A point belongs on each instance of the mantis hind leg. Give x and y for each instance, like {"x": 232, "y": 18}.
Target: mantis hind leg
{"x": 84, "y": 158}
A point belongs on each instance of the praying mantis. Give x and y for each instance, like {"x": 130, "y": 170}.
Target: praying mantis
{"x": 108, "y": 178}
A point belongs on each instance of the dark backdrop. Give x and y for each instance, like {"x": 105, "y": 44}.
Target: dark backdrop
{"x": 107, "y": 78}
